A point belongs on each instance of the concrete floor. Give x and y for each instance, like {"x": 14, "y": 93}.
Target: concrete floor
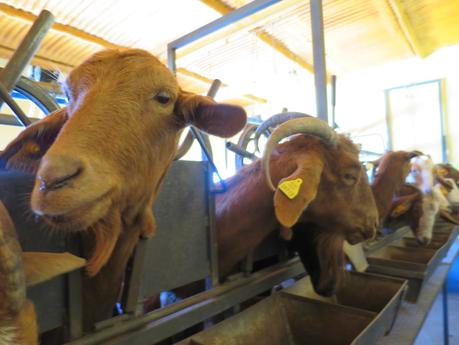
{"x": 432, "y": 331}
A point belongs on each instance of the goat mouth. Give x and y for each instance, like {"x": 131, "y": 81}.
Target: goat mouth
{"x": 77, "y": 218}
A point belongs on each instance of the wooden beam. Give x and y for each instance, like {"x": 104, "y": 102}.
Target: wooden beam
{"x": 281, "y": 48}
{"x": 407, "y": 28}
{"x": 86, "y": 37}
{"x": 255, "y": 99}
{"x": 66, "y": 29}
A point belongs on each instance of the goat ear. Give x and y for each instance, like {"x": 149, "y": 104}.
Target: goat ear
{"x": 25, "y": 151}
{"x": 450, "y": 217}
{"x": 223, "y": 120}
{"x": 413, "y": 154}
{"x": 41, "y": 266}
{"x": 295, "y": 192}
{"x": 401, "y": 205}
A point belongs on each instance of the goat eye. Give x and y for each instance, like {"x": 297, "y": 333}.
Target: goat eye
{"x": 163, "y": 97}
{"x": 350, "y": 179}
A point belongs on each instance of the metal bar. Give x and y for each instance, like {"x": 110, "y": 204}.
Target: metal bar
{"x": 133, "y": 297}
{"x": 10, "y": 120}
{"x": 444, "y": 139}
{"x": 75, "y": 311}
{"x": 18, "y": 113}
{"x": 445, "y": 312}
{"x": 232, "y": 17}
{"x": 388, "y": 120}
{"x": 318, "y": 48}
{"x": 212, "y": 230}
{"x": 26, "y": 50}
{"x": 162, "y": 323}
{"x": 240, "y": 151}
{"x": 171, "y": 58}
{"x": 214, "y": 87}
{"x": 333, "y": 101}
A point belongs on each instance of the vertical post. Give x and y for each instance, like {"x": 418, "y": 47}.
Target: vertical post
{"x": 171, "y": 57}
{"x": 213, "y": 244}
{"x": 74, "y": 298}
{"x": 26, "y": 50}
{"x": 333, "y": 101}
{"x": 318, "y": 47}
{"x": 445, "y": 312}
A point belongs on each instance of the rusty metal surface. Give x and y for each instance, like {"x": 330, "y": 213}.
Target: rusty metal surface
{"x": 285, "y": 319}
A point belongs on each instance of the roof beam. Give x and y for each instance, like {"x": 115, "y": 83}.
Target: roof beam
{"x": 86, "y": 37}
{"x": 263, "y": 35}
{"x": 407, "y": 28}
{"x": 66, "y": 29}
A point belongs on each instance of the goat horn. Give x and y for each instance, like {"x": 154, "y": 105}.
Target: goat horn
{"x": 12, "y": 276}
{"x": 275, "y": 121}
{"x": 304, "y": 125}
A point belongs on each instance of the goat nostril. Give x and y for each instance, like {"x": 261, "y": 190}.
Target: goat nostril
{"x": 57, "y": 182}
{"x": 56, "y": 171}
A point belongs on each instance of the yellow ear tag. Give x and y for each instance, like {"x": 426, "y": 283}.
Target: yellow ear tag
{"x": 291, "y": 188}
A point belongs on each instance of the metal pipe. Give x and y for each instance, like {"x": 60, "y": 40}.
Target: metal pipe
{"x": 228, "y": 19}
{"x": 214, "y": 87}
{"x": 445, "y": 312}
{"x": 244, "y": 288}
{"x": 26, "y": 50}
{"x": 20, "y": 116}
{"x": 171, "y": 57}
{"x": 333, "y": 101}
{"x": 318, "y": 48}
{"x": 240, "y": 151}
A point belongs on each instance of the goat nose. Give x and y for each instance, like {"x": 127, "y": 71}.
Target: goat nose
{"x": 56, "y": 171}
{"x": 369, "y": 233}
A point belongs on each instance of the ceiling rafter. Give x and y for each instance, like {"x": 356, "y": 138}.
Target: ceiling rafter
{"x": 89, "y": 38}
{"x": 263, "y": 35}
{"x": 406, "y": 27}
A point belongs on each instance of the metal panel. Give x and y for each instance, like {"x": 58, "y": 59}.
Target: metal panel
{"x": 179, "y": 253}
{"x": 162, "y": 323}
{"x": 50, "y": 297}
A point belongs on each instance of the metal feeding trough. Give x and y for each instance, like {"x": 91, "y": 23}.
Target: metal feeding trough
{"x": 285, "y": 319}
{"x": 379, "y": 294}
{"x": 415, "y": 264}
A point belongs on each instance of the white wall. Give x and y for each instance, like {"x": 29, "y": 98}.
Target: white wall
{"x": 360, "y": 96}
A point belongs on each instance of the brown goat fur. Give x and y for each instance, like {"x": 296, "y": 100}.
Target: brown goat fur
{"x": 407, "y": 206}
{"x": 447, "y": 171}
{"x": 322, "y": 251}
{"x": 393, "y": 168}
{"x": 335, "y": 194}
{"x": 100, "y": 161}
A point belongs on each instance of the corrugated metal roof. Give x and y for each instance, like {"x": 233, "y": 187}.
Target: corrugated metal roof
{"x": 358, "y": 34}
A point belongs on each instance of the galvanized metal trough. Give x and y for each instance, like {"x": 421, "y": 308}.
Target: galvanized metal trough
{"x": 286, "y": 319}
{"x": 375, "y": 293}
{"x": 406, "y": 259}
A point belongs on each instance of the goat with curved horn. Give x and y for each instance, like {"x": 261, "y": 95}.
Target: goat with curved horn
{"x": 304, "y": 125}
{"x": 275, "y": 121}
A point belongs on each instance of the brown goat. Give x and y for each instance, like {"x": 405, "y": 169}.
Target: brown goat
{"x": 419, "y": 204}
{"x": 99, "y": 163}
{"x": 321, "y": 252}
{"x": 393, "y": 168}
{"x": 447, "y": 171}
{"x": 335, "y": 195}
